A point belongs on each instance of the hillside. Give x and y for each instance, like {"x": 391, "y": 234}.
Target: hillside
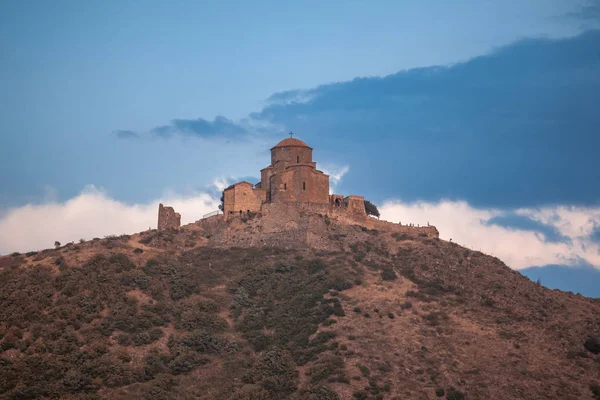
{"x": 317, "y": 309}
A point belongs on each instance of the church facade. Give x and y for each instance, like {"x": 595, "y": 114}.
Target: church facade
{"x": 292, "y": 177}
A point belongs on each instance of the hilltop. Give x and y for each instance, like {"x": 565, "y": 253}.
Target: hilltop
{"x": 316, "y": 308}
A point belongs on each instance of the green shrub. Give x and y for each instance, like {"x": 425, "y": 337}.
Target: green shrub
{"x": 184, "y": 363}
{"x": 592, "y": 345}
{"x": 595, "y": 389}
{"x": 453, "y": 394}
{"x": 364, "y": 370}
{"x": 148, "y": 337}
{"x": 388, "y": 274}
{"x": 400, "y": 236}
{"x": 197, "y": 314}
{"x": 338, "y": 310}
{"x": 123, "y": 339}
{"x": 436, "y": 317}
{"x": 330, "y": 368}
{"x": 251, "y": 392}
{"x": 276, "y": 372}
{"x": 318, "y": 393}
{"x": 202, "y": 342}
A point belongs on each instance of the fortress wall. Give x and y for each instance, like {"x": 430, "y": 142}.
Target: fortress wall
{"x": 282, "y": 213}
{"x": 429, "y": 231}
{"x": 356, "y": 206}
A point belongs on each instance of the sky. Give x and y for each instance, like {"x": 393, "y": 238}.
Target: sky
{"x": 477, "y": 116}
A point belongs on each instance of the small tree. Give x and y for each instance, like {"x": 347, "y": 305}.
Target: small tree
{"x": 371, "y": 209}
{"x": 57, "y": 244}
{"x": 222, "y": 204}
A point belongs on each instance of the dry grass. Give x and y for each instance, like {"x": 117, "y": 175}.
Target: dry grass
{"x": 451, "y": 318}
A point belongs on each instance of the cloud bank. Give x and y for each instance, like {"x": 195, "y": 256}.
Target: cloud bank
{"x": 519, "y": 245}
{"x": 90, "y": 214}
{"x": 553, "y": 235}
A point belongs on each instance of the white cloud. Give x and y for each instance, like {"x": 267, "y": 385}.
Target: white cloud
{"x": 90, "y": 214}
{"x": 94, "y": 214}
{"x": 221, "y": 183}
{"x": 336, "y": 173}
{"x": 519, "y": 249}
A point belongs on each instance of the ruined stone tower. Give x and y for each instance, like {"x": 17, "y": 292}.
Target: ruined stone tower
{"x": 168, "y": 218}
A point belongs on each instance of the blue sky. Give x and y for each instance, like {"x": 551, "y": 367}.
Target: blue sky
{"x": 489, "y": 103}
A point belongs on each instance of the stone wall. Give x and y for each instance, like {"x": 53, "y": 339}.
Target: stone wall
{"x": 168, "y": 218}
{"x": 265, "y": 180}
{"x": 282, "y": 213}
{"x": 337, "y": 200}
{"x": 300, "y": 183}
{"x": 356, "y": 206}
{"x": 242, "y": 198}
{"x": 428, "y": 231}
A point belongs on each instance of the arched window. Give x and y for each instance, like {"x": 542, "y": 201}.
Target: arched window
{"x": 303, "y": 185}
{"x": 285, "y": 186}
{"x": 297, "y": 159}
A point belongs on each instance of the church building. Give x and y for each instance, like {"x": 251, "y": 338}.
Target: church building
{"x": 292, "y": 177}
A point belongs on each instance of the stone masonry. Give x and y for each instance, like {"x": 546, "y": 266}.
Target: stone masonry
{"x": 168, "y": 218}
{"x": 292, "y": 178}
{"x": 290, "y": 187}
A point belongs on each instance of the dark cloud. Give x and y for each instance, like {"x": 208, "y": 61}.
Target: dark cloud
{"x": 220, "y": 126}
{"x": 595, "y": 236}
{"x": 518, "y": 127}
{"x": 588, "y": 12}
{"x": 125, "y": 134}
{"x": 584, "y": 279}
{"x": 523, "y": 223}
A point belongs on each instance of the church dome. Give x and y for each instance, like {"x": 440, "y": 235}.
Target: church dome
{"x": 291, "y": 142}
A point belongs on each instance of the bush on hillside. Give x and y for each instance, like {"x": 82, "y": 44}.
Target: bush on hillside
{"x": 592, "y": 345}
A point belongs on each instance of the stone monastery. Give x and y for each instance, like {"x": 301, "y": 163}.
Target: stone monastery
{"x": 292, "y": 177}
{"x": 290, "y": 191}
